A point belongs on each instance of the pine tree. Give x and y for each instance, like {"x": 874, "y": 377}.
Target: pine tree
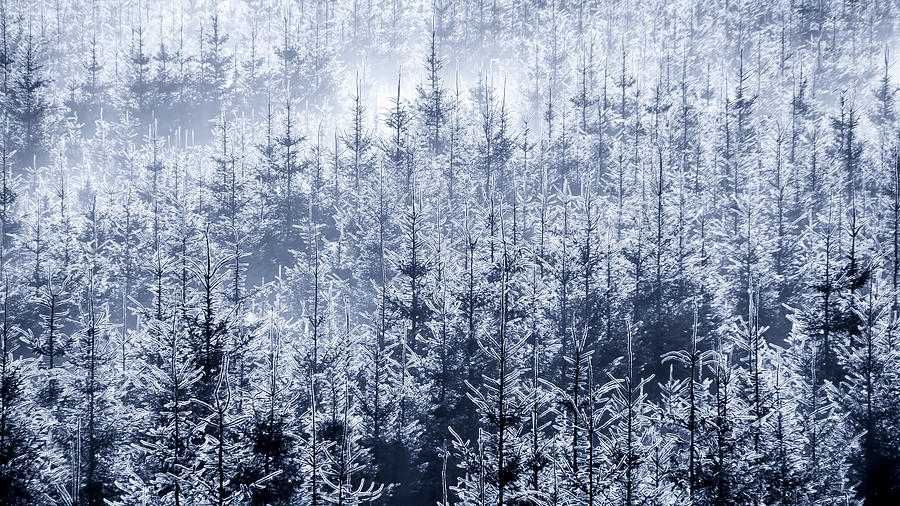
{"x": 272, "y": 472}
{"x": 213, "y": 86}
{"x": 493, "y": 472}
{"x": 167, "y": 453}
{"x": 19, "y": 456}
{"x": 431, "y": 98}
{"x": 874, "y": 411}
{"x": 627, "y": 406}
{"x": 138, "y": 84}
{"x": 220, "y": 452}
{"x": 30, "y": 109}
{"x": 93, "y": 422}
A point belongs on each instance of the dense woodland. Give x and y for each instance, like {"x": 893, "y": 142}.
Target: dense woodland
{"x": 449, "y": 252}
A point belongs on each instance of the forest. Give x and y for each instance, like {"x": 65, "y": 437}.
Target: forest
{"x": 449, "y": 252}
